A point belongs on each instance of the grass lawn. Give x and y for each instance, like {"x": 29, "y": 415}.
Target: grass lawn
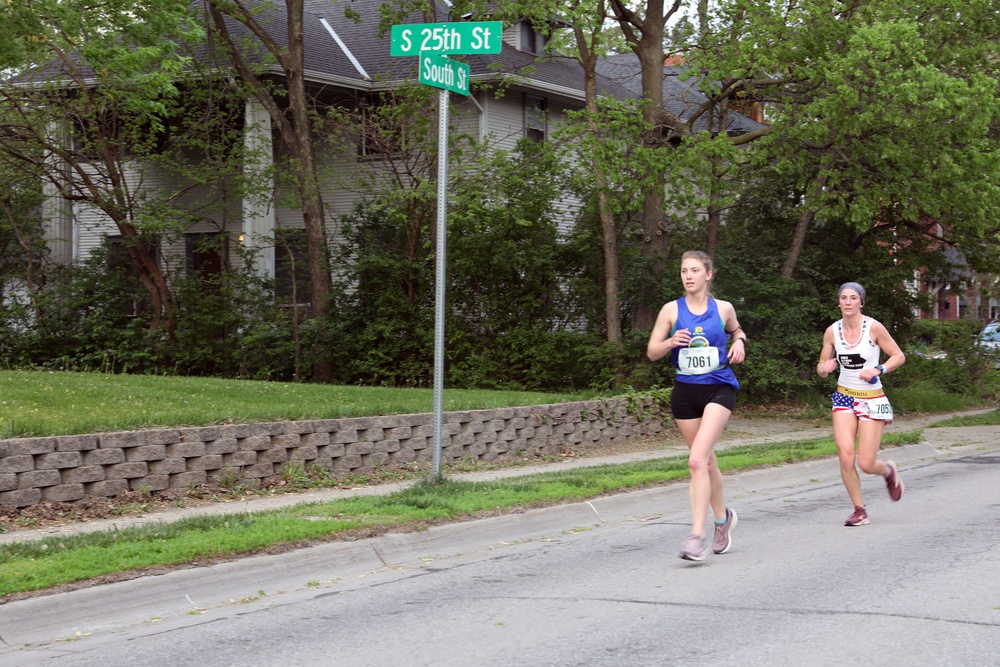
{"x": 43, "y": 403}
{"x": 985, "y": 419}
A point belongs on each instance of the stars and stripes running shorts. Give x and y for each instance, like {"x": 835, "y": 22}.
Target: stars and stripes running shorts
{"x": 871, "y": 409}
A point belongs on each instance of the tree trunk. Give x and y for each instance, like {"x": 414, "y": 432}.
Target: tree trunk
{"x": 801, "y": 227}
{"x": 313, "y": 209}
{"x": 612, "y": 271}
{"x": 655, "y": 241}
{"x": 587, "y": 47}
{"x": 295, "y": 130}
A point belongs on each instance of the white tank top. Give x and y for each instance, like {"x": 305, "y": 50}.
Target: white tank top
{"x": 854, "y": 357}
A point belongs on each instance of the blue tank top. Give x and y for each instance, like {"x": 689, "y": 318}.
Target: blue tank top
{"x": 707, "y": 330}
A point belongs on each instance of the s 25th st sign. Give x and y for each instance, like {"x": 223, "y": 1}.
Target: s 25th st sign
{"x": 459, "y": 38}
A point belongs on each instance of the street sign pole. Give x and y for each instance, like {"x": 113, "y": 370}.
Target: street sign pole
{"x": 432, "y": 42}
{"x": 442, "y": 228}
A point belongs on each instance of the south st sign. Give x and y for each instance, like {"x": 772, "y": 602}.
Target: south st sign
{"x": 442, "y": 72}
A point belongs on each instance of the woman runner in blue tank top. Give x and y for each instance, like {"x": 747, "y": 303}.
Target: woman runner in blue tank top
{"x": 694, "y": 330}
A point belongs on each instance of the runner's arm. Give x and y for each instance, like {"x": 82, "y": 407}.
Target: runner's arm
{"x": 660, "y": 342}
{"x": 738, "y": 348}
{"x": 881, "y": 336}
{"x": 827, "y": 355}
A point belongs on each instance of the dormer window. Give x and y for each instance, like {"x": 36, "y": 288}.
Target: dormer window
{"x": 531, "y": 41}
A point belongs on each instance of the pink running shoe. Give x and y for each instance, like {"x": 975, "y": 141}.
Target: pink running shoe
{"x": 859, "y": 518}
{"x": 893, "y": 484}
{"x": 723, "y": 539}
{"x": 695, "y": 548}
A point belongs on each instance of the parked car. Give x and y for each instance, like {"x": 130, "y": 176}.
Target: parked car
{"x": 989, "y": 340}
{"x": 990, "y": 336}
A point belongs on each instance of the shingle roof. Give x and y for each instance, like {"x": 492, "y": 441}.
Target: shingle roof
{"x": 372, "y": 52}
{"x": 327, "y": 62}
{"x": 680, "y": 98}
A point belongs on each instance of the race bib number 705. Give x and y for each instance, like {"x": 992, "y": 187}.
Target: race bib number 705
{"x": 879, "y": 408}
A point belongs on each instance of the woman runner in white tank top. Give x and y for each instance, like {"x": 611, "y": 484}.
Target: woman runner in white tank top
{"x": 860, "y": 407}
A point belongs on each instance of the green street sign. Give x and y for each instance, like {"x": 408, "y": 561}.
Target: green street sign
{"x": 443, "y": 72}
{"x": 463, "y": 37}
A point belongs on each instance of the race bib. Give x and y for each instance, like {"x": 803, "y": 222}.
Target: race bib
{"x": 879, "y": 408}
{"x": 697, "y": 360}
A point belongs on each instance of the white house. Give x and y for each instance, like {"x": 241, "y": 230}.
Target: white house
{"x": 348, "y": 60}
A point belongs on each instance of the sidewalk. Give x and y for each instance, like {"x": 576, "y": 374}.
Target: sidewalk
{"x": 739, "y": 432}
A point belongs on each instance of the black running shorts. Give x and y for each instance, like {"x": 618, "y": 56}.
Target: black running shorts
{"x": 688, "y": 401}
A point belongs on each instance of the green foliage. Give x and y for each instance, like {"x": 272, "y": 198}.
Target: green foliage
{"x": 230, "y": 327}
{"x": 976, "y": 362}
{"x": 81, "y": 318}
{"x": 91, "y": 317}
{"x": 896, "y": 129}
{"x": 384, "y": 298}
{"x": 508, "y": 318}
{"x": 21, "y": 241}
{"x": 924, "y": 397}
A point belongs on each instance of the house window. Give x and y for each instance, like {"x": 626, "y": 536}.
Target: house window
{"x": 134, "y": 302}
{"x": 536, "y": 124}
{"x": 532, "y": 41}
{"x": 207, "y": 255}
{"x": 291, "y": 267}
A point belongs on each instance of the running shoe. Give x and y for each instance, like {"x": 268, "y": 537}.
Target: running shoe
{"x": 695, "y": 548}
{"x": 893, "y": 484}
{"x": 723, "y": 540}
{"x": 859, "y": 518}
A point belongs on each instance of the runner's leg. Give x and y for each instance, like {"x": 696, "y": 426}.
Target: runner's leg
{"x": 845, "y": 430}
{"x": 869, "y": 440}
{"x": 700, "y": 436}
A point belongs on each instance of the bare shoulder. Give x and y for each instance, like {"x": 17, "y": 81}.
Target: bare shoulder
{"x": 669, "y": 309}
{"x": 878, "y": 331}
{"x": 666, "y": 318}
{"x": 725, "y": 308}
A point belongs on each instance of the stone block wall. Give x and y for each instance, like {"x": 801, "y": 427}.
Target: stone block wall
{"x": 68, "y": 468}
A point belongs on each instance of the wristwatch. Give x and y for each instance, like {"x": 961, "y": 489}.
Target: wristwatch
{"x": 881, "y": 369}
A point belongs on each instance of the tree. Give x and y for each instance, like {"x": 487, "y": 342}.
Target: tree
{"x": 294, "y": 123}
{"x": 882, "y": 110}
{"x": 92, "y": 83}
{"x": 21, "y": 242}
{"x": 596, "y": 139}
{"x": 587, "y": 22}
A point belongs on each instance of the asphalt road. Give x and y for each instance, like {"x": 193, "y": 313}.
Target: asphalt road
{"x": 588, "y": 584}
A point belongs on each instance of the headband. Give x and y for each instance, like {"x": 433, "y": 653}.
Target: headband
{"x": 854, "y": 286}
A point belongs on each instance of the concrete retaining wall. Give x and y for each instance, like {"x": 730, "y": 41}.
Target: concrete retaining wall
{"x": 67, "y": 468}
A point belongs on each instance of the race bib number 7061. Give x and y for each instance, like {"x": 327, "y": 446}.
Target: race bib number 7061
{"x": 697, "y": 360}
